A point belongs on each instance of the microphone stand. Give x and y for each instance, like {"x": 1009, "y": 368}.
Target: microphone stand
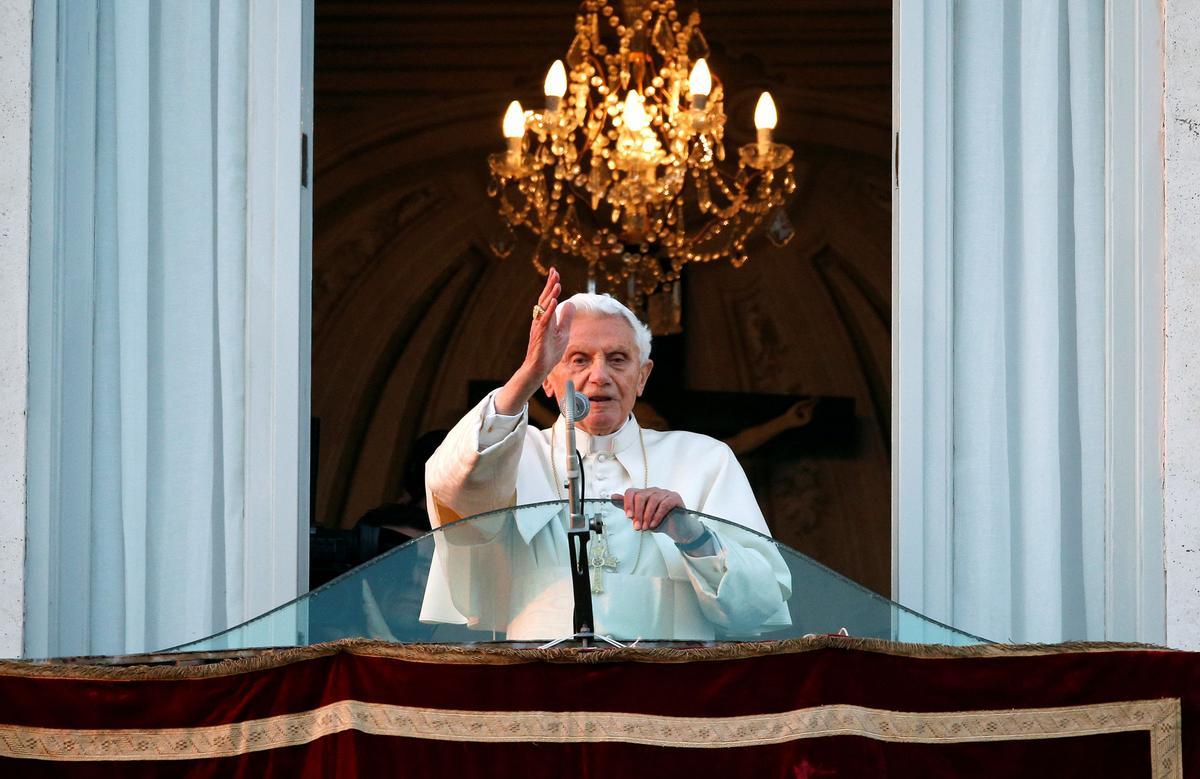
{"x": 579, "y": 532}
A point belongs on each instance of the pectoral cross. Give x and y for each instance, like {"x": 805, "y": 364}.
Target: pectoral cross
{"x": 600, "y": 559}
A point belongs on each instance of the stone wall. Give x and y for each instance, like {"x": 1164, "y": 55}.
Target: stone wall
{"x": 16, "y": 24}
{"x": 1181, "y": 147}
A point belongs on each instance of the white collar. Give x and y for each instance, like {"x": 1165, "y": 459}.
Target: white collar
{"x": 625, "y": 437}
{"x": 625, "y": 444}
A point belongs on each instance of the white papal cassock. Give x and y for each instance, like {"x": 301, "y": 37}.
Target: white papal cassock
{"x": 510, "y": 573}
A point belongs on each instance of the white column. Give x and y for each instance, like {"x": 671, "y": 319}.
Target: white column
{"x": 1181, "y": 140}
{"x": 16, "y": 25}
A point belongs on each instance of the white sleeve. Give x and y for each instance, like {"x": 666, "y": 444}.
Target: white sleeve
{"x": 745, "y": 586}
{"x": 467, "y": 475}
{"x": 710, "y": 568}
{"x": 496, "y": 427}
{"x": 742, "y": 587}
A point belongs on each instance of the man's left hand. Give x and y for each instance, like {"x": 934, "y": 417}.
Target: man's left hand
{"x": 648, "y": 509}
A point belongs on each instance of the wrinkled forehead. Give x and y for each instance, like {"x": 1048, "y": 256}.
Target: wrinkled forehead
{"x": 602, "y": 333}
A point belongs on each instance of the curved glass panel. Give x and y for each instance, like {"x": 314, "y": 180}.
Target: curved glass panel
{"x": 505, "y": 576}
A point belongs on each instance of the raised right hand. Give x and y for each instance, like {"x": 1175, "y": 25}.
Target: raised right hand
{"x": 548, "y": 336}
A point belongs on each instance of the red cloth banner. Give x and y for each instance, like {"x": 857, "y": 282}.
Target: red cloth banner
{"x": 825, "y": 707}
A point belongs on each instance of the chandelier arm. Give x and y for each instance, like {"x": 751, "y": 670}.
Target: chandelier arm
{"x": 520, "y": 215}
{"x": 723, "y": 185}
{"x": 732, "y": 211}
{"x": 598, "y": 126}
{"x": 737, "y": 201}
{"x": 753, "y": 204}
{"x": 576, "y": 191}
{"x": 648, "y": 62}
{"x": 596, "y": 63}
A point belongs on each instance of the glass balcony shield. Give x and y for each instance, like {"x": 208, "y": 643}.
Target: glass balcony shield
{"x": 494, "y": 577}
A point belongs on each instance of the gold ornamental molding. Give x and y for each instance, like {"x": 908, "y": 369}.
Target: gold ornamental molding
{"x": 1160, "y": 719}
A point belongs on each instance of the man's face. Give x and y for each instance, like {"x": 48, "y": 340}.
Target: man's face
{"x": 602, "y": 359}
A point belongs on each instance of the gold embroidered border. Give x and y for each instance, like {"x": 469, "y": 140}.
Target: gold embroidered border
{"x": 232, "y": 662}
{"x": 1160, "y": 718}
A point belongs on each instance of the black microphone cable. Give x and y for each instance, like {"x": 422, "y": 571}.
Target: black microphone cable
{"x": 582, "y": 481}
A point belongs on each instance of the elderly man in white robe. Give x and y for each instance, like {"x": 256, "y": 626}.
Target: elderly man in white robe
{"x": 669, "y": 574}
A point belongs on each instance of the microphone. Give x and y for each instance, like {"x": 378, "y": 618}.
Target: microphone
{"x": 575, "y": 405}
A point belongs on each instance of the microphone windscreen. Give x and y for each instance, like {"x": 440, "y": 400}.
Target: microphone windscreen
{"x": 580, "y": 405}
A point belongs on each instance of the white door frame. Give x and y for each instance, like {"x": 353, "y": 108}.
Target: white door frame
{"x": 278, "y": 303}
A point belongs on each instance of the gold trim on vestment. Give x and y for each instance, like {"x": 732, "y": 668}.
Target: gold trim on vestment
{"x": 1160, "y": 718}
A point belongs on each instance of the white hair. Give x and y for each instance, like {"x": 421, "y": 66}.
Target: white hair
{"x": 607, "y": 305}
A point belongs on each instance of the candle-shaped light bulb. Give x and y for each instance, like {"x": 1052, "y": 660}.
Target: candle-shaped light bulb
{"x": 634, "y": 114}
{"x": 765, "y": 119}
{"x": 700, "y": 84}
{"x": 514, "y": 129}
{"x": 555, "y": 86}
{"x": 514, "y": 121}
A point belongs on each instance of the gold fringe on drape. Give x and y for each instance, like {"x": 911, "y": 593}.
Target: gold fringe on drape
{"x": 207, "y": 665}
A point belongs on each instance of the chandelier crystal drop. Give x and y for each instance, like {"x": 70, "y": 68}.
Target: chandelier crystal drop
{"x": 623, "y": 167}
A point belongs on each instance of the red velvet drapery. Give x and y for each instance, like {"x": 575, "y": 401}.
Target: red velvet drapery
{"x": 827, "y": 707}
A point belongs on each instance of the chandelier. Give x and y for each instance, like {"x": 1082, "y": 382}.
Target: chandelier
{"x": 624, "y": 166}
